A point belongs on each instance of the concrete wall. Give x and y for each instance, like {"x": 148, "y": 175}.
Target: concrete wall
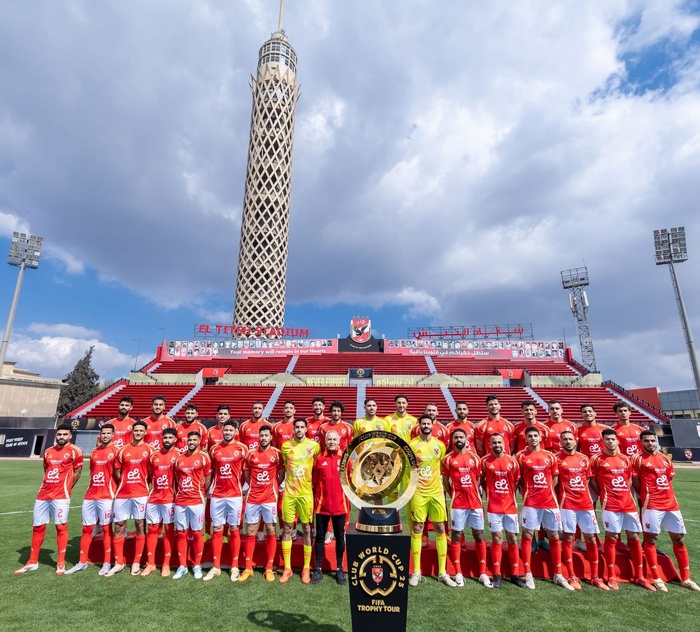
{"x": 28, "y": 397}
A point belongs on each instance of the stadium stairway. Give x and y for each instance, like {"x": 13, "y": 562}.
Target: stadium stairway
{"x": 540, "y": 562}
{"x": 449, "y": 399}
{"x": 101, "y": 397}
{"x": 292, "y": 364}
{"x": 267, "y": 412}
{"x": 199, "y": 383}
{"x": 360, "y": 401}
{"x": 431, "y": 364}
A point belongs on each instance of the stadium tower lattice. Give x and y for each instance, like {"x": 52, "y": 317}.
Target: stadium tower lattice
{"x": 262, "y": 260}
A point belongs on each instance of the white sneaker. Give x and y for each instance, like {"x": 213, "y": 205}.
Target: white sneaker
{"x": 117, "y": 568}
{"x": 660, "y": 586}
{"x": 104, "y": 570}
{"x": 690, "y": 585}
{"x": 27, "y": 568}
{"x": 530, "y": 582}
{"x": 60, "y": 569}
{"x": 135, "y": 569}
{"x": 459, "y": 580}
{"x": 77, "y": 568}
{"x": 329, "y": 538}
{"x": 235, "y": 574}
{"x": 560, "y": 580}
{"x": 213, "y": 572}
{"x": 447, "y": 580}
{"x": 180, "y": 572}
{"x": 197, "y": 572}
{"x": 485, "y": 580}
{"x": 414, "y": 580}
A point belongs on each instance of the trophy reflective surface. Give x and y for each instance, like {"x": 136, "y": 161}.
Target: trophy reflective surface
{"x": 379, "y": 475}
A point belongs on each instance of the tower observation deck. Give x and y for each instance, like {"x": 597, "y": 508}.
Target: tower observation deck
{"x": 261, "y": 281}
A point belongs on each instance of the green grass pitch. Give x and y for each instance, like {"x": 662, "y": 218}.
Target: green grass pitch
{"x": 84, "y": 601}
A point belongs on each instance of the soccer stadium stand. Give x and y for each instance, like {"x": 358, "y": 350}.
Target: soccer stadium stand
{"x": 509, "y": 397}
{"x": 470, "y": 366}
{"x": 239, "y": 399}
{"x": 302, "y": 396}
{"x": 418, "y": 398}
{"x": 142, "y": 394}
{"x": 340, "y": 363}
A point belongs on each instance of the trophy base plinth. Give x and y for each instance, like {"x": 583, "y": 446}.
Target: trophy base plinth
{"x": 378, "y": 520}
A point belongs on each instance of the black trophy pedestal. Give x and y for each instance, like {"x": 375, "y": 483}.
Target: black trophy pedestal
{"x": 378, "y": 579}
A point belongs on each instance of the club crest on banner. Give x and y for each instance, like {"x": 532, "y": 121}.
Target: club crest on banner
{"x": 360, "y": 329}
{"x": 377, "y": 574}
{"x": 689, "y": 455}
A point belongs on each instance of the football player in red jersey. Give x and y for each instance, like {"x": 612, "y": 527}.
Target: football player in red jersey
{"x": 556, "y": 425}
{"x": 63, "y": 464}
{"x": 652, "y": 475}
{"x": 191, "y": 424}
{"x": 539, "y": 475}
{"x": 283, "y": 431}
{"x": 612, "y": 475}
{"x": 500, "y": 476}
{"x": 122, "y": 423}
{"x": 494, "y": 424}
{"x": 439, "y": 431}
{"x": 313, "y": 423}
{"x": 263, "y": 471}
{"x": 216, "y": 434}
{"x": 226, "y": 498}
{"x": 463, "y": 424}
{"x": 160, "y": 508}
{"x": 577, "y": 509}
{"x": 331, "y": 505}
{"x": 529, "y": 410}
{"x": 343, "y": 428}
{"x": 461, "y": 471}
{"x": 157, "y": 422}
{"x": 98, "y": 500}
{"x": 590, "y": 433}
{"x": 131, "y": 474}
{"x": 192, "y": 479}
{"x": 628, "y": 434}
{"x": 248, "y": 433}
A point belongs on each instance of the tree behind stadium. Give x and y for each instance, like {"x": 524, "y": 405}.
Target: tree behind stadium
{"x": 81, "y": 384}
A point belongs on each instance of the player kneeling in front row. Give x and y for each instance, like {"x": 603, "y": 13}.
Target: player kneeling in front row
{"x": 63, "y": 464}
{"x": 429, "y": 500}
{"x": 462, "y": 478}
{"x": 652, "y": 473}
{"x": 192, "y": 478}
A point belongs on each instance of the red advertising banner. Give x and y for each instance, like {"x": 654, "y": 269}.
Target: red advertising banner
{"x": 512, "y": 374}
{"x": 211, "y": 349}
{"x": 486, "y": 349}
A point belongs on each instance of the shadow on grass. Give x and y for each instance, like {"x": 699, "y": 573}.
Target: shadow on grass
{"x": 288, "y": 622}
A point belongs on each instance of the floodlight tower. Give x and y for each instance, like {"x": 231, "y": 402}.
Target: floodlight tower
{"x": 575, "y": 280}
{"x": 670, "y": 247}
{"x": 25, "y": 251}
{"x": 261, "y": 281}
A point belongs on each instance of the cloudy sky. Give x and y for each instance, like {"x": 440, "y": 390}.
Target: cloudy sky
{"x": 451, "y": 158}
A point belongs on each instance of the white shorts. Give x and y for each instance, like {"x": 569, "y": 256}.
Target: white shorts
{"x": 585, "y": 519}
{"x": 268, "y": 512}
{"x": 459, "y": 518}
{"x": 160, "y": 512}
{"x": 532, "y": 518}
{"x": 654, "y": 520}
{"x": 47, "y": 510}
{"x": 499, "y": 522}
{"x": 226, "y": 510}
{"x": 191, "y": 516}
{"x": 95, "y": 511}
{"x": 617, "y": 521}
{"x": 125, "y": 508}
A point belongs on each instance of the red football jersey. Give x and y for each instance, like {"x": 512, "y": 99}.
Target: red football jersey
{"x": 263, "y": 466}
{"x": 122, "y": 431}
{"x": 628, "y": 437}
{"x": 329, "y": 498}
{"x": 613, "y": 474}
{"x": 553, "y": 443}
{"x": 282, "y": 432}
{"x": 500, "y": 475}
{"x": 574, "y": 472}
{"x": 439, "y": 432}
{"x": 190, "y": 472}
{"x": 59, "y": 463}
{"x": 468, "y": 427}
{"x": 249, "y": 433}
{"x": 538, "y": 470}
{"x": 487, "y": 427}
{"x": 102, "y": 485}
{"x": 183, "y": 429}
{"x": 154, "y": 432}
{"x": 132, "y": 460}
{"x": 655, "y": 472}
{"x": 519, "y": 431}
{"x": 464, "y": 472}
{"x": 344, "y": 430}
{"x": 226, "y": 466}
{"x": 161, "y": 469}
{"x": 590, "y": 440}
{"x": 215, "y": 436}
{"x": 313, "y": 428}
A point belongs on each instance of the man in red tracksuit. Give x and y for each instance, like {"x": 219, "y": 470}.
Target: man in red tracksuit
{"x": 330, "y": 504}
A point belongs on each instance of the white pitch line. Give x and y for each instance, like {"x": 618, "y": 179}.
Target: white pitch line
{"x": 14, "y": 513}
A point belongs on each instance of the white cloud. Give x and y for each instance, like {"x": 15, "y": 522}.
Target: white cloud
{"x": 62, "y": 329}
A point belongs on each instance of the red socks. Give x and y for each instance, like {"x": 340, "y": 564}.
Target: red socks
{"x": 107, "y": 543}
{"x": 38, "y": 535}
{"x": 181, "y": 538}
{"x": 198, "y": 546}
{"x": 592, "y": 557}
{"x": 168, "y": 542}
{"x": 235, "y": 541}
{"x": 609, "y": 555}
{"x": 497, "y": 555}
{"x": 217, "y": 543}
{"x": 567, "y": 554}
{"x": 455, "y": 555}
{"x": 62, "y": 543}
{"x": 681, "y": 553}
{"x": 118, "y": 543}
{"x": 152, "y": 543}
{"x": 85, "y": 541}
{"x": 652, "y": 559}
{"x": 270, "y": 551}
{"x": 637, "y": 557}
{"x": 249, "y": 550}
{"x": 514, "y": 556}
{"x": 526, "y": 553}
{"x": 480, "y": 548}
{"x": 140, "y": 541}
{"x": 555, "y": 554}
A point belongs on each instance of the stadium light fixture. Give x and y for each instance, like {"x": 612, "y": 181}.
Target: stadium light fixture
{"x": 25, "y": 252}
{"x": 575, "y": 280}
{"x": 670, "y": 247}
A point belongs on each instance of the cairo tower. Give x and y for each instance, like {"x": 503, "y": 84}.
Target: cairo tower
{"x": 261, "y": 281}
